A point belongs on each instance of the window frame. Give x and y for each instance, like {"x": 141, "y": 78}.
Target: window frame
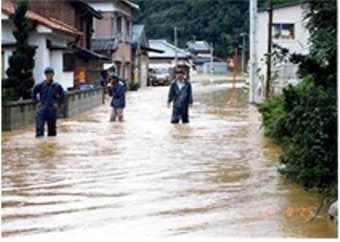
{"x": 281, "y": 25}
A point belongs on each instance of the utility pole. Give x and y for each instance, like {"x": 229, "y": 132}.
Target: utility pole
{"x": 176, "y": 54}
{"x": 269, "y": 54}
{"x": 212, "y": 62}
{"x": 243, "y": 52}
{"x": 235, "y": 60}
{"x": 253, "y": 55}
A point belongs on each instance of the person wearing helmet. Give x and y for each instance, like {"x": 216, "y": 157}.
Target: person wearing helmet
{"x": 117, "y": 92}
{"x": 180, "y": 94}
{"x": 47, "y": 97}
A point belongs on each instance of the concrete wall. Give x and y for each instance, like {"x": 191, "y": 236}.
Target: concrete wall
{"x": 81, "y": 101}
{"x": 16, "y": 115}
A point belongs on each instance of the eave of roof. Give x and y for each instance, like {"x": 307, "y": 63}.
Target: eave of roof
{"x": 286, "y": 5}
{"x": 167, "y": 57}
{"x": 180, "y": 52}
{"x": 90, "y": 53}
{"x": 54, "y": 24}
{"x": 130, "y": 4}
{"x": 152, "y": 49}
{"x": 83, "y": 5}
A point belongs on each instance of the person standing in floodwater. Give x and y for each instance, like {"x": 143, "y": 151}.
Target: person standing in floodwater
{"x": 180, "y": 94}
{"x": 48, "y": 96}
{"x": 117, "y": 92}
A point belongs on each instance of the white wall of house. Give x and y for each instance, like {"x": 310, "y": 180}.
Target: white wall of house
{"x": 43, "y": 56}
{"x": 287, "y": 15}
{"x": 144, "y": 70}
{"x": 57, "y": 62}
{"x": 7, "y": 54}
{"x": 6, "y": 36}
{"x": 6, "y": 32}
{"x": 67, "y": 79}
{"x": 291, "y": 15}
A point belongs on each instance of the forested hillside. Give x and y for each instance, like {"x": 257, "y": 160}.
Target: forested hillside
{"x": 217, "y": 21}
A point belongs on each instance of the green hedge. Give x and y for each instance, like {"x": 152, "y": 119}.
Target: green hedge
{"x": 304, "y": 122}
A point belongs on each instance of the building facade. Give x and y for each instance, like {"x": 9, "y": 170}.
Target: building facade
{"x": 113, "y": 33}
{"x": 79, "y": 57}
{"x": 288, "y": 31}
{"x": 167, "y": 58}
{"x": 63, "y": 37}
{"x": 140, "y": 54}
{"x": 50, "y": 37}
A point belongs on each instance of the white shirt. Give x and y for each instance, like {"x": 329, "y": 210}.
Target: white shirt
{"x": 180, "y": 84}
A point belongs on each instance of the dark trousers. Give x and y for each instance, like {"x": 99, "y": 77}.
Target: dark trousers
{"x": 180, "y": 114}
{"x": 46, "y": 114}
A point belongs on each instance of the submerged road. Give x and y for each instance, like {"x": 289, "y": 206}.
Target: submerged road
{"x": 215, "y": 177}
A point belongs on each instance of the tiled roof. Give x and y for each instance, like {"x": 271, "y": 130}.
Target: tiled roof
{"x": 169, "y": 50}
{"x": 198, "y": 45}
{"x": 8, "y": 9}
{"x": 104, "y": 44}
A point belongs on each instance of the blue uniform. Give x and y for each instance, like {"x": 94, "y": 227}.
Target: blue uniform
{"x": 49, "y": 95}
{"x": 181, "y": 98}
{"x": 118, "y": 95}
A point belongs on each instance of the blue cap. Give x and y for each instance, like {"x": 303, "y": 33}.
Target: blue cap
{"x": 49, "y": 70}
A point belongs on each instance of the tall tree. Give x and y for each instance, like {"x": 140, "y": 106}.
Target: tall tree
{"x": 19, "y": 79}
{"x": 218, "y": 21}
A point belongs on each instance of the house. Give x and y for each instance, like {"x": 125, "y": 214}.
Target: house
{"x": 50, "y": 37}
{"x": 167, "y": 59}
{"x": 62, "y": 38}
{"x": 113, "y": 33}
{"x": 140, "y": 52}
{"x": 79, "y": 57}
{"x": 201, "y": 53}
{"x": 288, "y": 31}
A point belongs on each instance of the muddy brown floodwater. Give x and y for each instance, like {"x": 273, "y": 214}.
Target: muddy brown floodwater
{"x": 215, "y": 177}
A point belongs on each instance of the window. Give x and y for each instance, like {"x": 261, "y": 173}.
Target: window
{"x": 119, "y": 25}
{"x": 283, "y": 31}
{"x": 128, "y": 30}
{"x": 69, "y": 62}
{"x": 3, "y": 64}
{"x": 94, "y": 28}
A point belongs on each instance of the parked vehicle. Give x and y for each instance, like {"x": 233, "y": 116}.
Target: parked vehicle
{"x": 161, "y": 77}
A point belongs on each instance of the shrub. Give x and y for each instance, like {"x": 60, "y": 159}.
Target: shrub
{"x": 134, "y": 86}
{"x": 19, "y": 79}
{"x": 304, "y": 122}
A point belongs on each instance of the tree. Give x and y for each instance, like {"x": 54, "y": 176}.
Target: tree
{"x": 19, "y": 79}
{"x": 217, "y": 21}
{"x": 304, "y": 120}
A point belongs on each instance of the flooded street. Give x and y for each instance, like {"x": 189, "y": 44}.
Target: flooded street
{"x": 215, "y": 177}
